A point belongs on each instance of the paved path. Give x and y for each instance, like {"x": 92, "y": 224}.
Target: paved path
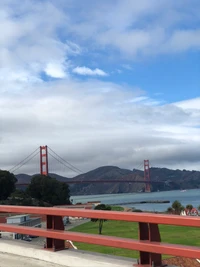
{"x": 12, "y": 255}
{"x": 9, "y": 260}
{"x": 40, "y": 240}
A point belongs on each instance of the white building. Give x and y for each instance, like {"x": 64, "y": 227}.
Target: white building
{"x": 23, "y": 220}
{"x": 192, "y": 212}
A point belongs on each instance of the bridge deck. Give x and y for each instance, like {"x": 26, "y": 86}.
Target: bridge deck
{"x": 71, "y": 181}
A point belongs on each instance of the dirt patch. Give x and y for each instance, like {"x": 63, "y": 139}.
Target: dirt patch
{"x": 182, "y": 262}
{"x": 127, "y": 209}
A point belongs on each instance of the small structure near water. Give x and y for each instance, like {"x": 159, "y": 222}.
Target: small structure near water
{"x": 192, "y": 212}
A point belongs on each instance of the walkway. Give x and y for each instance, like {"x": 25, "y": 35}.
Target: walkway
{"x": 12, "y": 255}
{"x": 9, "y": 260}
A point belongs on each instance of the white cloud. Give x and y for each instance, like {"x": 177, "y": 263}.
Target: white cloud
{"x": 127, "y": 67}
{"x": 55, "y": 70}
{"x": 87, "y": 71}
{"x": 92, "y": 123}
{"x": 139, "y": 29}
{"x": 181, "y": 41}
{"x": 73, "y": 48}
{"x": 189, "y": 104}
{"x": 29, "y": 44}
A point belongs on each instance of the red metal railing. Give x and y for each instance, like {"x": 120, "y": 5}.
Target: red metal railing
{"x": 149, "y": 243}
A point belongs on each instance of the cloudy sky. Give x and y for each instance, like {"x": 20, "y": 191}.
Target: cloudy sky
{"x": 107, "y": 82}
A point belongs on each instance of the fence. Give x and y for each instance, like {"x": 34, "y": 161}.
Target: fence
{"x": 149, "y": 243}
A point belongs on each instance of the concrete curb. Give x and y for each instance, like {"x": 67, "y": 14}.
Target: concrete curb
{"x": 70, "y": 258}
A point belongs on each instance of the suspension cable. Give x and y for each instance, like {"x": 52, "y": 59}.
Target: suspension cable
{"x": 66, "y": 162}
{"x": 29, "y": 159}
{"x": 62, "y": 163}
{"x": 21, "y": 163}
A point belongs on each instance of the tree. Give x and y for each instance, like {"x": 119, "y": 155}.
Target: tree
{"x": 49, "y": 190}
{"x": 198, "y": 208}
{"x": 19, "y": 194}
{"x": 20, "y": 197}
{"x": 7, "y": 184}
{"x": 170, "y": 210}
{"x": 189, "y": 207}
{"x": 177, "y": 207}
{"x": 101, "y": 221}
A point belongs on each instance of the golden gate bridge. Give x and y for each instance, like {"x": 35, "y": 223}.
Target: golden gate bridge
{"x": 44, "y": 152}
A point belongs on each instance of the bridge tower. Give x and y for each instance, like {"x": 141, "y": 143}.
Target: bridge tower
{"x": 44, "y": 168}
{"x": 147, "y": 176}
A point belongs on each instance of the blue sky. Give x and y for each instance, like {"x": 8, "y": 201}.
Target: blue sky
{"x": 120, "y": 75}
{"x": 167, "y": 77}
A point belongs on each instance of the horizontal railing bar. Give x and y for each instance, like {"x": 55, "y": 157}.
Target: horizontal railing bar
{"x": 109, "y": 215}
{"x": 126, "y": 243}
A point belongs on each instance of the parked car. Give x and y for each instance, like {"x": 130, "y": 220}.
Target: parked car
{"x": 26, "y": 238}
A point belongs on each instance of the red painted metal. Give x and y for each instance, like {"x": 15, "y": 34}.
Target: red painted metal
{"x": 149, "y": 232}
{"x": 147, "y": 176}
{"x": 149, "y": 244}
{"x": 126, "y": 243}
{"x": 154, "y": 236}
{"x": 71, "y": 181}
{"x": 55, "y": 223}
{"x": 44, "y": 169}
{"x": 144, "y": 235}
{"x": 109, "y": 215}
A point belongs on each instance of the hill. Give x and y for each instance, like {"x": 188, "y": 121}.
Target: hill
{"x": 107, "y": 173}
{"x": 173, "y": 180}
{"x": 25, "y": 178}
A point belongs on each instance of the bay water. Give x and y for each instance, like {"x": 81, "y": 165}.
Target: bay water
{"x": 185, "y": 197}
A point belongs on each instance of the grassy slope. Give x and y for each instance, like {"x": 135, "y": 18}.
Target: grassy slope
{"x": 169, "y": 234}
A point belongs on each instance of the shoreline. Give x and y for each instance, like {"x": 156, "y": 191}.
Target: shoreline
{"x": 143, "y": 202}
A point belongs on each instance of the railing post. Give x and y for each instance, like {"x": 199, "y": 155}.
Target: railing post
{"x": 154, "y": 236}
{"x": 55, "y": 223}
{"x": 149, "y": 232}
{"x": 144, "y": 235}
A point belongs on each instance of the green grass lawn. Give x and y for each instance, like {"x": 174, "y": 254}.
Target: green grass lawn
{"x": 117, "y": 208}
{"x": 169, "y": 234}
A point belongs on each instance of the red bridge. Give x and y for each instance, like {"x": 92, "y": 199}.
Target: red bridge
{"x": 45, "y": 152}
{"x": 70, "y": 181}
